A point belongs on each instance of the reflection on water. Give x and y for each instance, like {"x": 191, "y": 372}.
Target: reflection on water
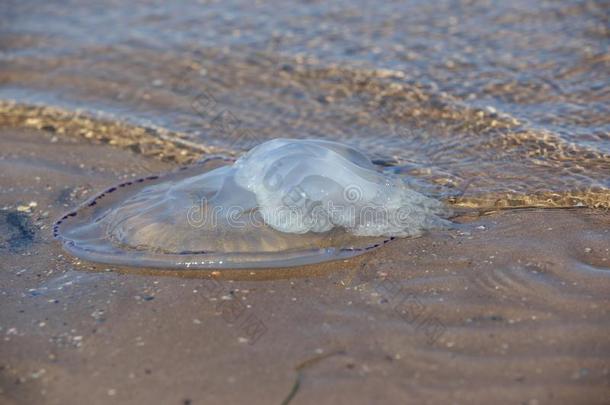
{"x": 509, "y": 97}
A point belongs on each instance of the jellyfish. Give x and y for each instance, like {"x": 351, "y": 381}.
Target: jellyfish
{"x": 284, "y": 203}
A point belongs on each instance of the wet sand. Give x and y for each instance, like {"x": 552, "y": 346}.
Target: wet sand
{"x": 510, "y": 307}
{"x": 486, "y": 105}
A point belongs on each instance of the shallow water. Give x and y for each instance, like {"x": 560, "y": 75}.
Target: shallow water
{"x": 509, "y": 98}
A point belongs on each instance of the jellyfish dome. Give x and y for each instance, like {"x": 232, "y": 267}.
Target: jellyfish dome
{"x": 284, "y": 203}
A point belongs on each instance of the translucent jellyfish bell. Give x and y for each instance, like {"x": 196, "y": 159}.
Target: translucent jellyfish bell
{"x": 284, "y": 203}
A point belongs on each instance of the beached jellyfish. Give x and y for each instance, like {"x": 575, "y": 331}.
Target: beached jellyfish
{"x": 284, "y": 203}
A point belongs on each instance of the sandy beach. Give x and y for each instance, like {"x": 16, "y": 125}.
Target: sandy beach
{"x": 499, "y": 110}
{"x": 512, "y": 305}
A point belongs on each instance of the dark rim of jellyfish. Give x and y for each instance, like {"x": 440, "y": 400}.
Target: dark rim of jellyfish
{"x": 113, "y": 255}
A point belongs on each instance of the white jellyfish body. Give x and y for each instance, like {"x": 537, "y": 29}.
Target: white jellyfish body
{"x": 284, "y": 203}
{"x": 315, "y": 185}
